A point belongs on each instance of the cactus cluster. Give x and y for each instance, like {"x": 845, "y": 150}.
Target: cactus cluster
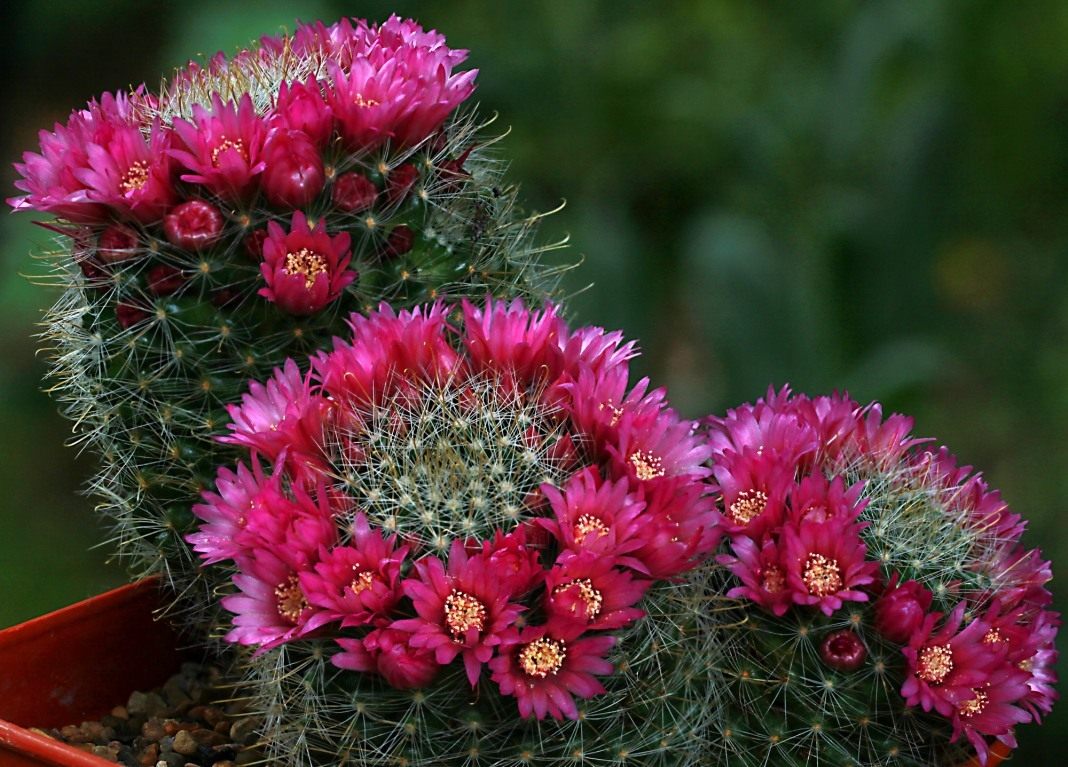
{"x": 235, "y": 220}
{"x": 886, "y": 613}
{"x": 459, "y": 546}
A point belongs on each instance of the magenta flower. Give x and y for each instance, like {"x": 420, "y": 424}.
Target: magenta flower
{"x": 305, "y": 269}
{"x": 591, "y": 592}
{"x": 300, "y": 107}
{"x": 129, "y": 175}
{"x": 293, "y": 175}
{"x": 270, "y": 609}
{"x": 357, "y": 584}
{"x": 761, "y": 572}
{"x": 221, "y": 149}
{"x": 389, "y": 653}
{"x": 825, "y": 563}
{"x": 545, "y": 671}
{"x": 225, "y": 512}
{"x": 590, "y": 514}
{"x": 755, "y": 488}
{"x": 944, "y": 666}
{"x": 282, "y": 419}
{"x": 900, "y": 610}
{"x": 463, "y": 610}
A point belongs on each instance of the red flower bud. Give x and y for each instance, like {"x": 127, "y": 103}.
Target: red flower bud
{"x": 901, "y": 610}
{"x": 399, "y": 242}
{"x": 294, "y": 174}
{"x": 301, "y": 107}
{"x": 400, "y": 182}
{"x": 193, "y": 225}
{"x": 117, "y": 243}
{"x": 254, "y": 243}
{"x": 354, "y": 192}
{"x": 129, "y": 314}
{"x": 164, "y": 279}
{"x": 843, "y": 650}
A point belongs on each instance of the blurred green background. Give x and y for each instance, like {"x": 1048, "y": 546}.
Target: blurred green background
{"x": 861, "y": 195}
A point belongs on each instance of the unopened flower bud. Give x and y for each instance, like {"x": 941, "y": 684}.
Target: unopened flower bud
{"x": 164, "y": 279}
{"x": 117, "y": 243}
{"x": 354, "y": 192}
{"x": 193, "y": 225}
{"x": 400, "y": 182}
{"x": 129, "y": 314}
{"x": 843, "y": 650}
{"x": 400, "y": 241}
{"x": 294, "y": 174}
{"x": 901, "y": 610}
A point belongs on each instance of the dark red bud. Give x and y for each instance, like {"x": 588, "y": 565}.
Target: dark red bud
{"x": 129, "y": 314}
{"x": 254, "y": 243}
{"x": 164, "y": 279}
{"x": 224, "y": 297}
{"x": 400, "y": 182}
{"x": 117, "y": 243}
{"x": 901, "y": 610}
{"x": 193, "y": 225}
{"x": 400, "y": 241}
{"x": 354, "y": 192}
{"x": 843, "y": 650}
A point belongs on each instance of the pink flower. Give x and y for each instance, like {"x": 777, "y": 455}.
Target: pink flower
{"x": 222, "y": 148}
{"x": 225, "y": 512}
{"x": 546, "y": 670}
{"x": 193, "y": 225}
{"x": 825, "y": 564}
{"x": 944, "y": 666}
{"x": 300, "y": 107}
{"x": 389, "y": 652}
{"x": 901, "y": 609}
{"x": 591, "y": 592}
{"x": 761, "y": 571}
{"x": 305, "y": 269}
{"x": 358, "y": 583}
{"x": 282, "y": 418}
{"x": 513, "y": 558}
{"x": 53, "y": 179}
{"x": 677, "y": 529}
{"x": 463, "y": 610}
{"x": 815, "y": 499}
{"x": 293, "y": 175}
{"x": 129, "y": 175}
{"x": 270, "y": 608}
{"x": 590, "y": 514}
{"x": 755, "y": 488}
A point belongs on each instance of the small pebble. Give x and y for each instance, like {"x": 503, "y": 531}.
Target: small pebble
{"x": 120, "y": 712}
{"x": 184, "y": 743}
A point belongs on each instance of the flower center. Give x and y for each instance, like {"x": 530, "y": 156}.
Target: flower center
{"x": 935, "y": 663}
{"x": 588, "y": 524}
{"x": 306, "y": 263}
{"x": 361, "y": 581}
{"x": 993, "y": 637}
{"x": 136, "y": 177}
{"x": 291, "y": 601}
{"x": 462, "y": 613}
{"x": 822, "y": 576}
{"x": 542, "y": 657}
{"x": 364, "y": 103}
{"x": 587, "y": 593}
{"x": 748, "y": 505}
{"x": 975, "y": 705}
{"x": 773, "y": 579}
{"x": 227, "y": 145}
{"x": 617, "y": 412}
{"x": 646, "y": 465}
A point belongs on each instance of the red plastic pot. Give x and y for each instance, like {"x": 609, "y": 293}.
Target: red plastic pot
{"x": 76, "y": 664}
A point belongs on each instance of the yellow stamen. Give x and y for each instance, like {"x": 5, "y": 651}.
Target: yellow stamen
{"x": 226, "y": 144}
{"x": 935, "y": 663}
{"x": 542, "y": 657}
{"x": 646, "y": 465}
{"x": 291, "y": 601}
{"x": 587, "y": 593}
{"x": 748, "y": 505}
{"x": 136, "y": 177}
{"x": 462, "y": 613}
{"x": 822, "y": 576}
{"x": 306, "y": 263}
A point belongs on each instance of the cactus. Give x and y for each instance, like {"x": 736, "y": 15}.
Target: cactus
{"x": 234, "y": 221}
{"x": 919, "y": 630}
{"x": 462, "y": 547}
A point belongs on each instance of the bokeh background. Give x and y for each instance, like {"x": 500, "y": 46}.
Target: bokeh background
{"x": 861, "y": 195}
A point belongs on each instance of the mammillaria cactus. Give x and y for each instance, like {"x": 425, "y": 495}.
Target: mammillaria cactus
{"x": 888, "y": 612}
{"x": 456, "y": 541}
{"x": 234, "y": 220}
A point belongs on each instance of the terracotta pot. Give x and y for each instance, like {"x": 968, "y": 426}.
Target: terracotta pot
{"x": 76, "y": 664}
